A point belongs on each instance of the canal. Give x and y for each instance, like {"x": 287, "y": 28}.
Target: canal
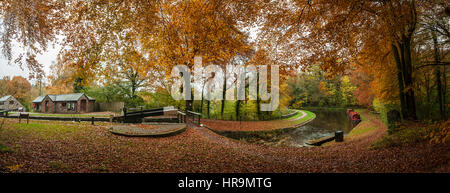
{"x": 324, "y": 125}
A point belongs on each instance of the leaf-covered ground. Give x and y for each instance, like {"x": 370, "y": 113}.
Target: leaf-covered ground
{"x": 50, "y": 146}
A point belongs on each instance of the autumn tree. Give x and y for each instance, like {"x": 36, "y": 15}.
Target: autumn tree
{"x": 31, "y": 24}
{"x": 340, "y": 33}
{"x": 61, "y": 79}
{"x": 18, "y": 86}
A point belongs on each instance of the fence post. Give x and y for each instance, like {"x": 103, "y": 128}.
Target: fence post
{"x": 92, "y": 121}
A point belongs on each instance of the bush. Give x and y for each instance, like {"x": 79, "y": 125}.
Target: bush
{"x": 411, "y": 132}
{"x": 383, "y": 107}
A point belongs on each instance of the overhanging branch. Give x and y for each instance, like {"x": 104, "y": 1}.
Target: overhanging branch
{"x": 433, "y": 64}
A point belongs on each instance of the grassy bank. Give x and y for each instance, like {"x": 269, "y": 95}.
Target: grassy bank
{"x": 325, "y": 108}
{"x": 61, "y": 115}
{"x": 366, "y": 125}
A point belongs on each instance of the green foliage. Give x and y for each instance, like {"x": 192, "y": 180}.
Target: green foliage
{"x": 382, "y": 108}
{"x": 109, "y": 93}
{"x": 78, "y": 85}
{"x": 5, "y": 149}
{"x": 113, "y": 93}
{"x": 314, "y": 89}
{"x": 134, "y": 101}
{"x": 160, "y": 99}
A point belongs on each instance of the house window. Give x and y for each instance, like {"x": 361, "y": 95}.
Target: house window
{"x": 63, "y": 104}
{"x": 2, "y": 103}
{"x": 71, "y": 106}
{"x": 11, "y": 102}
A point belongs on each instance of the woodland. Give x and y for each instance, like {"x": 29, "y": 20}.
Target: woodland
{"x": 376, "y": 57}
{"x": 381, "y": 55}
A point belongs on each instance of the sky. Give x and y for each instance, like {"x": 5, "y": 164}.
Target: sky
{"x": 50, "y": 56}
{"x": 46, "y": 58}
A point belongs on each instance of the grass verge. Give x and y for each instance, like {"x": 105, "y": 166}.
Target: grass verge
{"x": 5, "y": 149}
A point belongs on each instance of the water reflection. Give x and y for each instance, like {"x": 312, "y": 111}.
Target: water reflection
{"x": 324, "y": 125}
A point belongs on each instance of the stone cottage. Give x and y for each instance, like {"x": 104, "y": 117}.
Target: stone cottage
{"x": 64, "y": 103}
{"x": 11, "y": 103}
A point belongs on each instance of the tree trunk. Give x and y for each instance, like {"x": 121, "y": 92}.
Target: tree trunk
{"x": 201, "y": 104}
{"x": 258, "y": 100}
{"x": 237, "y": 109}
{"x": 402, "y": 56}
{"x": 438, "y": 76}
{"x": 208, "y": 102}
{"x": 189, "y": 103}
{"x": 224, "y": 90}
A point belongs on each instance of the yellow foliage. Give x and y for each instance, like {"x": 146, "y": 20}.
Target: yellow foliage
{"x": 441, "y": 134}
{"x": 14, "y": 168}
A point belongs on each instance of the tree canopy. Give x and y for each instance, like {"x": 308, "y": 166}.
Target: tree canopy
{"x": 395, "y": 51}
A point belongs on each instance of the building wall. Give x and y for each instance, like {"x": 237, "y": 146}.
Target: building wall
{"x": 90, "y": 105}
{"x": 63, "y": 106}
{"x": 50, "y": 104}
{"x": 15, "y": 104}
{"x": 66, "y": 107}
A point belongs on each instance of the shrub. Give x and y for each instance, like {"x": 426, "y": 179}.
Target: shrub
{"x": 411, "y": 132}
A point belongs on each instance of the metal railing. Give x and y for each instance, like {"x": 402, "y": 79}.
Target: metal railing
{"x": 194, "y": 115}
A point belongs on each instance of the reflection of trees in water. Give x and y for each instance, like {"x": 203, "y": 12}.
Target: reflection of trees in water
{"x": 325, "y": 123}
{"x": 331, "y": 121}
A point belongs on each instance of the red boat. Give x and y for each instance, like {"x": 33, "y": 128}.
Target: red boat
{"x": 353, "y": 116}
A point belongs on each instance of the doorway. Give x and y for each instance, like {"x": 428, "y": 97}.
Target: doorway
{"x": 83, "y": 105}
{"x": 46, "y": 106}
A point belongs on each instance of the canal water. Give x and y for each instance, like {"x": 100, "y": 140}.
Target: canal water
{"x": 324, "y": 125}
